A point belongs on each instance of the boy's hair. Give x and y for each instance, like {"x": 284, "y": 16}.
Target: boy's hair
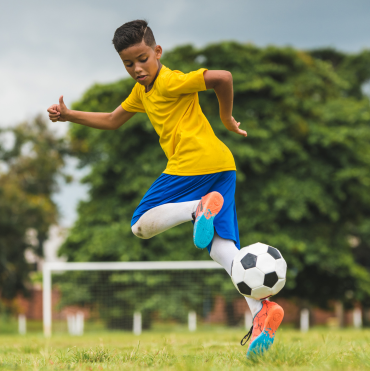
{"x": 132, "y": 33}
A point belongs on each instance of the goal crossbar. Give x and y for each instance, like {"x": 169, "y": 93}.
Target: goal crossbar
{"x": 49, "y": 267}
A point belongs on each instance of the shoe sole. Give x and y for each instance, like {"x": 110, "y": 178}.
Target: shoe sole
{"x": 263, "y": 342}
{"x": 203, "y": 226}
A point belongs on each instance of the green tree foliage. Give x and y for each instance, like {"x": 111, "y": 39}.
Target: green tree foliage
{"x": 303, "y": 172}
{"x": 28, "y": 178}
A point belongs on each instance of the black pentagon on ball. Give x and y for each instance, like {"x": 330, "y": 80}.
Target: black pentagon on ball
{"x": 244, "y": 288}
{"x": 274, "y": 253}
{"x": 249, "y": 261}
{"x": 270, "y": 279}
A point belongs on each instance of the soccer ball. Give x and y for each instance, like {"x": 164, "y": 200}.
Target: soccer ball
{"x": 258, "y": 271}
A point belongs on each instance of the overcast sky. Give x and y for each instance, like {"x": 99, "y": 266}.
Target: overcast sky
{"x": 49, "y": 48}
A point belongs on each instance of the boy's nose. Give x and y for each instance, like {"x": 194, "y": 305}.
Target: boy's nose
{"x": 138, "y": 70}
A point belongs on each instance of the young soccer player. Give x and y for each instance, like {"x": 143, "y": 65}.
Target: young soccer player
{"x": 199, "y": 181}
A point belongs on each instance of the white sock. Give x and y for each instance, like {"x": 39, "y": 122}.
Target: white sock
{"x": 163, "y": 217}
{"x": 223, "y": 252}
{"x": 254, "y": 305}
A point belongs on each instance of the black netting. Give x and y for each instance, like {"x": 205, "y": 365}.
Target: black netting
{"x": 109, "y": 299}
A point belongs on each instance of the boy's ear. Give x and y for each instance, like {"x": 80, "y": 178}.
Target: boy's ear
{"x": 158, "y": 51}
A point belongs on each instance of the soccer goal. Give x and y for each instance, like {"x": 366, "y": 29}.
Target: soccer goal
{"x": 136, "y": 296}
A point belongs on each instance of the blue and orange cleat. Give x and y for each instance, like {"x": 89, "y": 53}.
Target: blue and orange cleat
{"x": 262, "y": 332}
{"x": 209, "y": 206}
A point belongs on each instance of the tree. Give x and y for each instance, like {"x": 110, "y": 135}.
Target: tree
{"x": 302, "y": 180}
{"x": 27, "y": 181}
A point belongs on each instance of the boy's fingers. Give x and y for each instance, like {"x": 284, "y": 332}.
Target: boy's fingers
{"x": 239, "y": 131}
{"x": 53, "y": 108}
{"x": 61, "y": 100}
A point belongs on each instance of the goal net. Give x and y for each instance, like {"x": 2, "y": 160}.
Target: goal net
{"x": 136, "y": 296}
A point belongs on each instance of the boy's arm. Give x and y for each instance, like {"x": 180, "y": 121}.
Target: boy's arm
{"x": 97, "y": 120}
{"x": 222, "y": 83}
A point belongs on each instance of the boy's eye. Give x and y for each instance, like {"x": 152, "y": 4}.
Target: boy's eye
{"x": 141, "y": 61}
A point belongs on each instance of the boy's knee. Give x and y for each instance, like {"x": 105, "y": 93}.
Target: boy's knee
{"x": 139, "y": 231}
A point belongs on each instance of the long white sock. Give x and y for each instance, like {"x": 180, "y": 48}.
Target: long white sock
{"x": 163, "y": 217}
{"x": 223, "y": 252}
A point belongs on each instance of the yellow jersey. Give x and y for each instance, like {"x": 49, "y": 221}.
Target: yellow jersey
{"x": 185, "y": 134}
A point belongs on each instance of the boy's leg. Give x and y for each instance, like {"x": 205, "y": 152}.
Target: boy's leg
{"x": 163, "y": 217}
{"x": 267, "y": 315}
{"x": 223, "y": 252}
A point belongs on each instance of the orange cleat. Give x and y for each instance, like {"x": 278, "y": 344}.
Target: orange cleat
{"x": 209, "y": 206}
{"x": 262, "y": 332}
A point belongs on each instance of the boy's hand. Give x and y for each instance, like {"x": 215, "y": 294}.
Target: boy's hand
{"x": 58, "y": 112}
{"x": 232, "y": 125}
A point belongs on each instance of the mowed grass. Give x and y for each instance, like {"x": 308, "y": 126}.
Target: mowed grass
{"x": 322, "y": 349}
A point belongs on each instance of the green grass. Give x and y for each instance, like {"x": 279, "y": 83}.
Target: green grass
{"x": 321, "y": 349}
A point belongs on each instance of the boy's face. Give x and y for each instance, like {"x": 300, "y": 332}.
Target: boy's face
{"x": 141, "y": 62}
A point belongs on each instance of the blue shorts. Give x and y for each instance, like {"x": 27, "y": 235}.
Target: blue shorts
{"x": 173, "y": 188}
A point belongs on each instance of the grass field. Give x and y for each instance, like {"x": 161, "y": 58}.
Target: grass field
{"x": 213, "y": 350}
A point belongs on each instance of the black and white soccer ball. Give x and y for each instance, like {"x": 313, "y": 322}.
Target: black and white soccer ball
{"x": 258, "y": 271}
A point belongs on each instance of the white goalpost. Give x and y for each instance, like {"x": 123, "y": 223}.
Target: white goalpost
{"x": 51, "y": 267}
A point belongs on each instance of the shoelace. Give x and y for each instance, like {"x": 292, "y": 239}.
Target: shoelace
{"x": 246, "y": 337}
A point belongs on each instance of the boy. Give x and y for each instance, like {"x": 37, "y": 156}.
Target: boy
{"x": 199, "y": 181}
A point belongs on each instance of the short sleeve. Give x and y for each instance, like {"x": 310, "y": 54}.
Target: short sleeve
{"x": 133, "y": 102}
{"x": 185, "y": 83}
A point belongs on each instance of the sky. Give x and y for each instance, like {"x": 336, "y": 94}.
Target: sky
{"x": 49, "y": 48}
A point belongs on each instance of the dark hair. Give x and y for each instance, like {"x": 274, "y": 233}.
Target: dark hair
{"x": 132, "y": 33}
